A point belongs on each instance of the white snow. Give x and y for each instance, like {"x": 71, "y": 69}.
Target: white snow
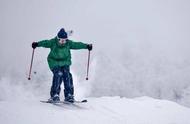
{"x": 140, "y": 51}
{"x": 104, "y": 110}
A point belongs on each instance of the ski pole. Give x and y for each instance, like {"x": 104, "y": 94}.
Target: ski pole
{"x": 88, "y": 64}
{"x": 29, "y": 77}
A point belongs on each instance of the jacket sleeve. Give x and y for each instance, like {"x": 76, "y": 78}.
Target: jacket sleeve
{"x": 77, "y": 45}
{"x": 45, "y": 43}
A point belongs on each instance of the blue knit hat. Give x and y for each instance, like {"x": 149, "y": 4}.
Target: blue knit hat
{"x": 62, "y": 33}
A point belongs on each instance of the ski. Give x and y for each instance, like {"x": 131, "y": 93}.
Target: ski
{"x": 65, "y": 102}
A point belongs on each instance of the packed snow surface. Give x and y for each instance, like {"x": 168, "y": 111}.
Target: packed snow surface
{"x": 103, "y": 110}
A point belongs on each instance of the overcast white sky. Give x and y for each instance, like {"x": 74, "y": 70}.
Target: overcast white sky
{"x": 142, "y": 24}
{"x": 149, "y": 37}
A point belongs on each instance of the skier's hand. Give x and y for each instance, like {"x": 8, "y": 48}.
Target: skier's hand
{"x": 34, "y": 45}
{"x": 89, "y": 47}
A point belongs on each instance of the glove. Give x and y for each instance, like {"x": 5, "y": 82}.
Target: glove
{"x": 34, "y": 45}
{"x": 89, "y": 47}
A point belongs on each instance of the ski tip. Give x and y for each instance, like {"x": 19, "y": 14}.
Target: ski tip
{"x": 84, "y": 100}
{"x": 44, "y": 101}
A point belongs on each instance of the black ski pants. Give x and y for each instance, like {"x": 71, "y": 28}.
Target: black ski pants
{"x": 62, "y": 74}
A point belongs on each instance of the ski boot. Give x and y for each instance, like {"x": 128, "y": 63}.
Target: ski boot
{"x": 70, "y": 98}
{"x": 55, "y": 98}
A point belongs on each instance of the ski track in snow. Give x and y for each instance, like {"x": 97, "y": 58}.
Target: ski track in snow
{"x": 104, "y": 110}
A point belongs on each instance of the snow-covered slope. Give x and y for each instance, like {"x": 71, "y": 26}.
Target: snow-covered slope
{"x": 140, "y": 48}
{"x": 104, "y": 110}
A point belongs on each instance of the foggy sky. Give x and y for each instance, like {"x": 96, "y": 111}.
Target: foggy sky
{"x": 148, "y": 25}
{"x": 124, "y": 31}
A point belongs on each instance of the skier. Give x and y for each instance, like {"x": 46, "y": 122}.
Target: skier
{"x": 59, "y": 60}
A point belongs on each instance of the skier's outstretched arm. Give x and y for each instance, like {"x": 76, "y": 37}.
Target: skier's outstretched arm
{"x": 79, "y": 45}
{"x": 43, "y": 43}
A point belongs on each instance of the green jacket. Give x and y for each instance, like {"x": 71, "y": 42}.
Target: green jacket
{"x": 60, "y": 55}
